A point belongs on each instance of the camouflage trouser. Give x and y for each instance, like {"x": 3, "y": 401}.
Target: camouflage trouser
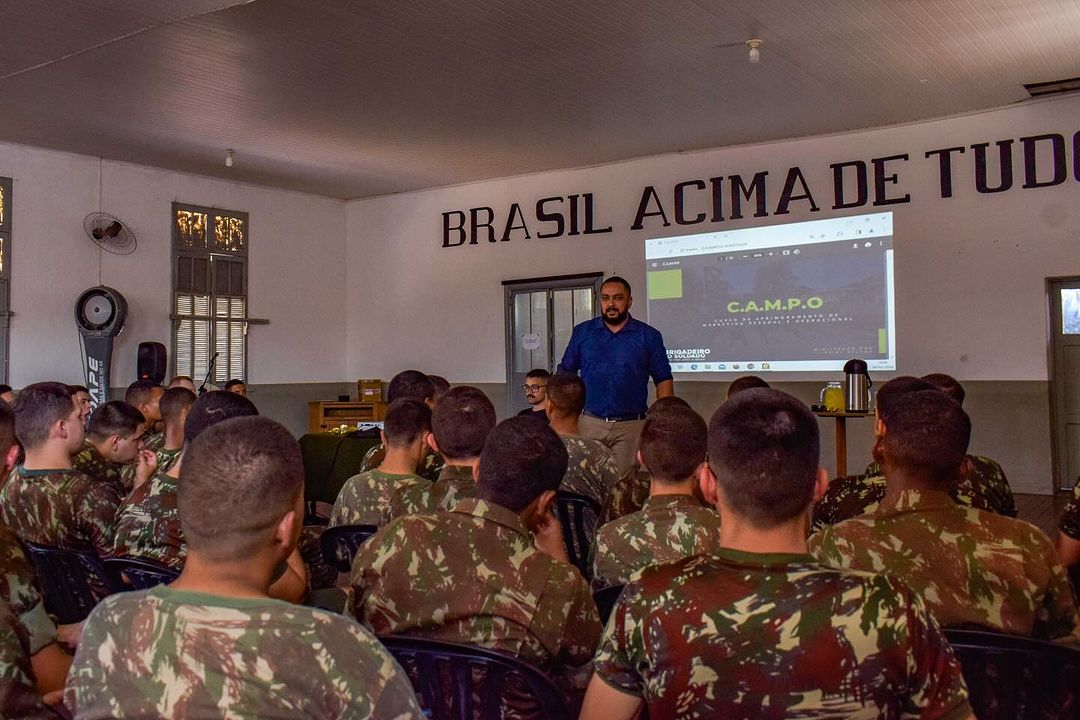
{"x": 320, "y": 575}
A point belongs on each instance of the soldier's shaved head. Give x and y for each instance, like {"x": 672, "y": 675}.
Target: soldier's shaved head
{"x": 672, "y": 443}
{"x": 928, "y": 436}
{"x": 566, "y": 394}
{"x": 37, "y": 407}
{"x": 114, "y": 418}
{"x": 746, "y": 382}
{"x": 174, "y": 402}
{"x": 948, "y": 385}
{"x": 214, "y": 407}
{"x": 238, "y": 480}
{"x": 521, "y": 460}
{"x": 410, "y": 384}
{"x": 406, "y": 420}
{"x": 665, "y": 403}
{"x": 763, "y": 450}
{"x": 461, "y": 422}
{"x": 893, "y": 390}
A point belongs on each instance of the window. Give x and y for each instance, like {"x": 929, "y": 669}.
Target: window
{"x": 5, "y": 273}
{"x": 210, "y": 251}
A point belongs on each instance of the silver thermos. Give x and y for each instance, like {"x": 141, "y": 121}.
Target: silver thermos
{"x": 856, "y": 387}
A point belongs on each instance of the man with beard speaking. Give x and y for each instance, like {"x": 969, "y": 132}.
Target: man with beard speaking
{"x": 615, "y": 355}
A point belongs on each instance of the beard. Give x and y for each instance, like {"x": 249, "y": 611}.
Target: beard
{"x": 618, "y": 318}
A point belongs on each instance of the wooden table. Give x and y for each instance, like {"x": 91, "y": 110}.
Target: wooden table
{"x": 841, "y": 436}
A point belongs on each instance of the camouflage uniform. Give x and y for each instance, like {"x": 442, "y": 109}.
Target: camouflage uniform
{"x": 668, "y": 528}
{"x": 365, "y": 498}
{"x": 92, "y": 463}
{"x": 19, "y": 590}
{"x": 983, "y": 488}
{"x": 175, "y": 654}
{"x": 474, "y": 576}
{"x": 19, "y": 697}
{"x": 166, "y": 458}
{"x": 430, "y": 467}
{"x": 455, "y": 483}
{"x": 628, "y": 495}
{"x": 153, "y": 441}
{"x": 60, "y": 508}
{"x": 746, "y": 635}
{"x": 148, "y": 524}
{"x": 1070, "y": 518}
{"x": 591, "y": 469}
{"x": 971, "y": 567}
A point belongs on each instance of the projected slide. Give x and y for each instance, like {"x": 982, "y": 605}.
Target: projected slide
{"x": 802, "y": 296}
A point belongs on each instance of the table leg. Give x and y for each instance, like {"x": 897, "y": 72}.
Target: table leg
{"x": 841, "y": 446}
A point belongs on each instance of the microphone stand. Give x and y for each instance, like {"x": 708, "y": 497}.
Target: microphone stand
{"x": 209, "y": 372}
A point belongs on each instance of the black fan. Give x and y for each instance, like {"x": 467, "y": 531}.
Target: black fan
{"x": 110, "y": 233}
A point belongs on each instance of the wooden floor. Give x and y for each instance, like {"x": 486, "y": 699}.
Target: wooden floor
{"x": 1042, "y": 510}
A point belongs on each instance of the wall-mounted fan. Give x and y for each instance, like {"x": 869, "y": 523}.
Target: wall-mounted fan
{"x": 110, "y": 233}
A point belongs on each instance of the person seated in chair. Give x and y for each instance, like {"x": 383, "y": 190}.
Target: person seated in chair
{"x": 591, "y": 471}
{"x": 757, "y": 628}
{"x": 213, "y": 643}
{"x": 673, "y": 524}
{"x": 491, "y": 572}
{"x": 237, "y": 386}
{"x": 746, "y": 382}
{"x": 535, "y": 388}
{"x": 19, "y": 694}
{"x": 365, "y": 498}
{"x": 114, "y": 441}
{"x": 175, "y": 404}
{"x": 45, "y": 500}
{"x": 82, "y": 396}
{"x": 408, "y": 384}
{"x": 145, "y": 396}
{"x": 182, "y": 381}
{"x": 971, "y": 566}
{"x": 460, "y": 423}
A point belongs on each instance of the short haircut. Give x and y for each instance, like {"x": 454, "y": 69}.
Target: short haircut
{"x": 461, "y": 422}
{"x": 238, "y": 480}
{"x": 928, "y": 432}
{"x": 891, "y": 391}
{"x": 139, "y": 392}
{"x": 673, "y": 443}
{"x": 618, "y": 280}
{"x": 7, "y": 428}
{"x": 181, "y": 377}
{"x": 234, "y": 382}
{"x": 5, "y": 388}
{"x": 410, "y": 384}
{"x": 37, "y": 407}
{"x": 666, "y": 403}
{"x": 114, "y": 418}
{"x": 440, "y": 384}
{"x": 74, "y": 389}
{"x": 406, "y": 420}
{"x": 745, "y": 383}
{"x": 538, "y": 373}
{"x": 948, "y": 385}
{"x": 214, "y": 407}
{"x": 173, "y": 403}
{"x": 566, "y": 394}
{"x": 522, "y": 460}
{"x": 763, "y": 449}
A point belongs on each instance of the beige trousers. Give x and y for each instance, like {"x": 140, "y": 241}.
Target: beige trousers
{"x": 621, "y": 437}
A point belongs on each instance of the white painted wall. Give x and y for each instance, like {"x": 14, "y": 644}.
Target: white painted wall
{"x": 970, "y": 270}
{"x": 296, "y": 275}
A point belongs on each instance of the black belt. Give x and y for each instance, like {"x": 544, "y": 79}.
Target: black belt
{"x": 616, "y": 418}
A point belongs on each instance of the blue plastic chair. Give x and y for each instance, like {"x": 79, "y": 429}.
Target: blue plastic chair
{"x": 136, "y": 574}
{"x": 1017, "y": 678}
{"x": 578, "y": 516}
{"x": 463, "y": 682}
{"x": 340, "y": 544}
{"x": 72, "y": 581}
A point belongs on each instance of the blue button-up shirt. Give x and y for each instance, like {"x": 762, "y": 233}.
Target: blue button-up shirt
{"x": 616, "y": 365}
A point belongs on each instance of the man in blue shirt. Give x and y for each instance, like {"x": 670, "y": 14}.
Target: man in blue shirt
{"x": 615, "y": 355}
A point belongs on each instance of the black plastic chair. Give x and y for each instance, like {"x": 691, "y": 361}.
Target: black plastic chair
{"x": 605, "y": 601}
{"x": 464, "y": 682}
{"x": 135, "y": 574}
{"x": 578, "y": 516}
{"x": 340, "y": 544}
{"x": 1017, "y": 678}
{"x": 72, "y": 581}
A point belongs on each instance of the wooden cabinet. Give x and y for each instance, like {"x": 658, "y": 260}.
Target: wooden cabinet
{"x": 325, "y": 415}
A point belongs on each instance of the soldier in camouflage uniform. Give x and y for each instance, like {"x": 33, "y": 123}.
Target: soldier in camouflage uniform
{"x": 113, "y": 442}
{"x": 741, "y": 633}
{"x": 418, "y": 386}
{"x": 365, "y": 498}
{"x": 45, "y": 501}
{"x": 491, "y": 572}
{"x": 972, "y": 567}
{"x": 213, "y": 643}
{"x": 674, "y": 524}
{"x": 175, "y": 404}
{"x": 148, "y": 524}
{"x": 145, "y": 396}
{"x": 1068, "y": 545}
{"x": 591, "y": 470}
{"x": 460, "y": 424}
{"x": 19, "y": 696}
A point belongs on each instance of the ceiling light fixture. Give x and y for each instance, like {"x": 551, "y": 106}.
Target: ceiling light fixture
{"x": 755, "y": 54}
{"x": 229, "y": 158}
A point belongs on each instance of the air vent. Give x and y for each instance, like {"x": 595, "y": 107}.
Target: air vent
{"x": 1054, "y": 87}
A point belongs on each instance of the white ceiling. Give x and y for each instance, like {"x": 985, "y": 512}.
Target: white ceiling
{"x": 356, "y": 99}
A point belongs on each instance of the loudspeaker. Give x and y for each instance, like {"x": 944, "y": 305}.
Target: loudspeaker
{"x": 152, "y": 362}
